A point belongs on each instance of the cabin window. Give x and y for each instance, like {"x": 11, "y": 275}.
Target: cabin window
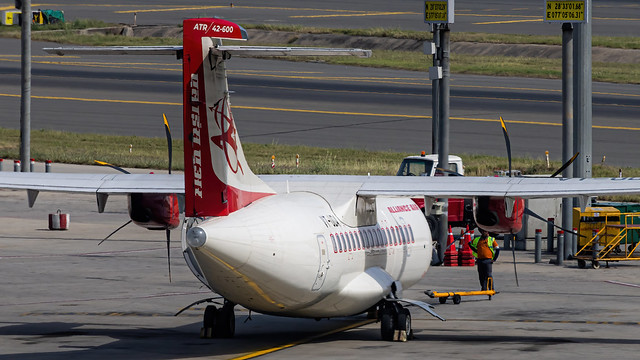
{"x": 367, "y": 238}
{"x": 358, "y": 240}
{"x": 333, "y": 241}
{"x": 400, "y": 236}
{"x": 353, "y": 242}
{"x": 395, "y": 236}
{"x": 384, "y": 237}
{"x": 413, "y": 240}
{"x": 381, "y": 237}
{"x": 347, "y": 244}
{"x": 374, "y": 238}
{"x": 339, "y": 243}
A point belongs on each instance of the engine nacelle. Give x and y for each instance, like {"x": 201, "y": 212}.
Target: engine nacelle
{"x": 498, "y": 214}
{"x": 154, "y": 211}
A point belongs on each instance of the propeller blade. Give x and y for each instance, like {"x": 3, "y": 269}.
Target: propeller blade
{"x": 513, "y": 251}
{"x": 115, "y": 231}
{"x": 112, "y": 166}
{"x": 565, "y": 165}
{"x": 168, "y": 232}
{"x": 169, "y": 142}
{"x": 507, "y": 142}
{"x": 531, "y": 213}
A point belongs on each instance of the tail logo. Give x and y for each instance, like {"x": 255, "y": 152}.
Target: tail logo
{"x": 227, "y": 140}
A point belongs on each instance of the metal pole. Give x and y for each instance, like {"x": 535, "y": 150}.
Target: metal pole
{"x": 550, "y": 234}
{"x": 574, "y": 242}
{"x": 435, "y": 93}
{"x": 560, "y": 252}
{"x": 25, "y": 99}
{"x": 567, "y": 125}
{"x": 538, "y": 246}
{"x": 443, "y": 138}
{"x": 582, "y": 104}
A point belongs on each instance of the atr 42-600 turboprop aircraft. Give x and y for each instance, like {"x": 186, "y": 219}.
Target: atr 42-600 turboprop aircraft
{"x": 291, "y": 245}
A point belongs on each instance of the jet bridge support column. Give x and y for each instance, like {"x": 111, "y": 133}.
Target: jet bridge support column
{"x": 435, "y": 92}
{"x": 443, "y": 149}
{"x": 567, "y": 127}
{"x": 582, "y": 102}
{"x": 25, "y": 98}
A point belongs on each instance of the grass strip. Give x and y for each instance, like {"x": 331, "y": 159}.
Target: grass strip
{"x": 486, "y": 65}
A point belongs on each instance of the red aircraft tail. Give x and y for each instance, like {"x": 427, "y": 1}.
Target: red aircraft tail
{"x": 218, "y": 180}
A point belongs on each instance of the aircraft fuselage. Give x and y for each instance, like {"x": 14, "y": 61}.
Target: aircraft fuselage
{"x": 292, "y": 255}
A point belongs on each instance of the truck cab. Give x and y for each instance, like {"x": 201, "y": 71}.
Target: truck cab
{"x": 427, "y": 165}
{"x": 460, "y": 211}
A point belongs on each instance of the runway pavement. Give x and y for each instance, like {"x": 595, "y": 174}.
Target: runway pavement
{"x": 64, "y": 297}
{"x": 315, "y": 104}
{"x": 610, "y": 18}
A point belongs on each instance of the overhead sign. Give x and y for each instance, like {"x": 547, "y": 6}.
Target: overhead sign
{"x": 566, "y": 11}
{"x": 439, "y": 12}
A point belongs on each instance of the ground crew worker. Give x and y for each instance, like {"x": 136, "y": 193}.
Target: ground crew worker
{"x": 486, "y": 250}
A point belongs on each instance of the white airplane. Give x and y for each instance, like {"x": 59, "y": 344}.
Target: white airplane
{"x": 291, "y": 245}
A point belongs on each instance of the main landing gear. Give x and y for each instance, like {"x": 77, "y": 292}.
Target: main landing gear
{"x": 395, "y": 322}
{"x": 218, "y": 323}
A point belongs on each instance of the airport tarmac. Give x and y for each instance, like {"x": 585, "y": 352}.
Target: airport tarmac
{"x": 64, "y": 297}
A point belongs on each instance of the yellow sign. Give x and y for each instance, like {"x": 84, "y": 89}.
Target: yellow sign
{"x": 437, "y": 12}
{"x": 565, "y": 11}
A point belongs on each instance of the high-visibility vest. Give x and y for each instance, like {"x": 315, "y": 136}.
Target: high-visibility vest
{"x": 490, "y": 241}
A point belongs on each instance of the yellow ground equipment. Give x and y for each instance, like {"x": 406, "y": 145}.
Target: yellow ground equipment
{"x": 607, "y": 235}
{"x": 10, "y": 17}
{"x": 457, "y": 295}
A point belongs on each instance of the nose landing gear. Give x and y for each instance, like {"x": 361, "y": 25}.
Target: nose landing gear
{"x": 218, "y": 323}
{"x": 395, "y": 322}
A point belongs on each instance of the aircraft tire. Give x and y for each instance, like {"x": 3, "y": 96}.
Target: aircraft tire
{"x": 209, "y": 322}
{"x": 404, "y": 320}
{"x": 225, "y": 323}
{"x": 387, "y": 323}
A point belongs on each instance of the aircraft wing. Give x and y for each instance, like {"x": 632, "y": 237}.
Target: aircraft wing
{"x": 233, "y": 50}
{"x": 368, "y": 186}
{"x": 93, "y": 183}
{"x": 456, "y": 186}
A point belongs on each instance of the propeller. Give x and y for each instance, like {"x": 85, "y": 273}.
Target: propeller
{"x": 112, "y": 166}
{"x": 513, "y": 238}
{"x": 167, "y": 131}
{"x": 507, "y": 142}
{"x": 169, "y": 142}
{"x": 569, "y": 162}
{"x": 527, "y": 210}
{"x": 122, "y": 171}
{"x": 115, "y": 231}
{"x": 167, "y": 230}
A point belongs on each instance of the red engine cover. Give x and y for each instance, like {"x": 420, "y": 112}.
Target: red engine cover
{"x": 490, "y": 214}
{"x": 154, "y": 211}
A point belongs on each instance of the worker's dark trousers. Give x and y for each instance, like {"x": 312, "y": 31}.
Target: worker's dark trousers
{"x": 484, "y": 271}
